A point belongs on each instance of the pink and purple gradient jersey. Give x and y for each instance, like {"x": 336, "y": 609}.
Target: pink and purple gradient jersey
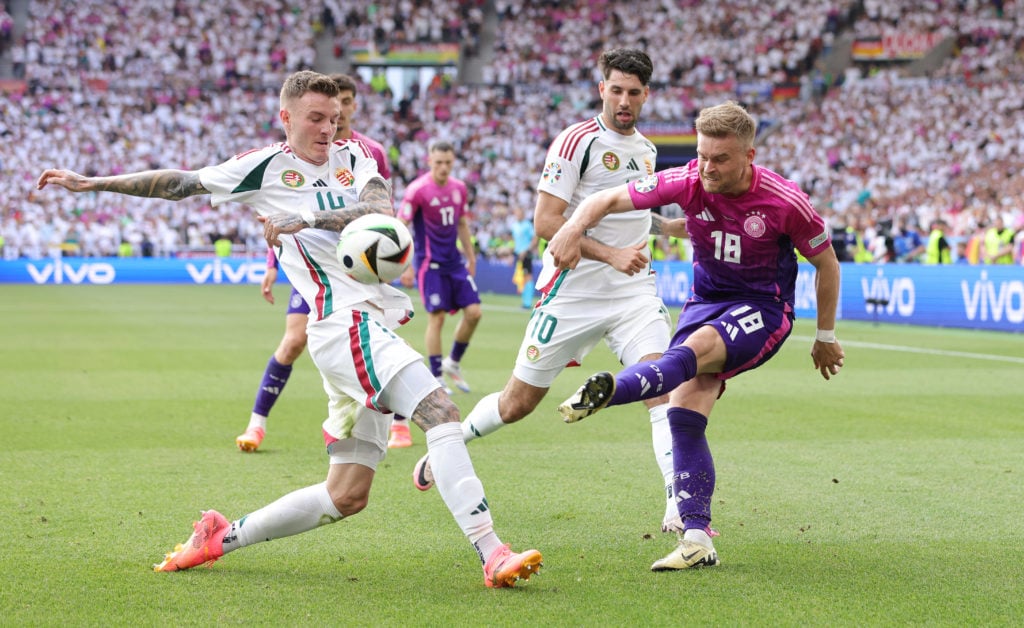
{"x": 379, "y": 155}
{"x": 434, "y": 212}
{"x": 742, "y": 246}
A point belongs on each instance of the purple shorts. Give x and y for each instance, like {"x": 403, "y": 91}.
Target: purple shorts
{"x": 753, "y": 331}
{"x": 447, "y": 291}
{"x": 296, "y": 304}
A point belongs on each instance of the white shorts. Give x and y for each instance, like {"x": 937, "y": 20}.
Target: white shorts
{"x": 368, "y": 372}
{"x": 563, "y": 331}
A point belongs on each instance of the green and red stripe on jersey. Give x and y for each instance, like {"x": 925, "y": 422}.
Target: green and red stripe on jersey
{"x": 362, "y": 359}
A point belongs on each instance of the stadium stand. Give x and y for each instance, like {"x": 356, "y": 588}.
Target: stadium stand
{"x": 127, "y": 85}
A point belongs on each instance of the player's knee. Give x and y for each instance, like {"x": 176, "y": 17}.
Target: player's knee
{"x": 473, "y": 315}
{"x": 349, "y": 501}
{"x": 435, "y": 409}
{"x": 290, "y": 349}
{"x": 512, "y": 408}
{"x": 706, "y": 344}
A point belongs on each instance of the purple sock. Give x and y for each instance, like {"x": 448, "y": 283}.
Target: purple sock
{"x": 435, "y": 365}
{"x": 646, "y": 380}
{"x": 274, "y": 379}
{"x": 458, "y": 350}
{"x": 694, "y": 478}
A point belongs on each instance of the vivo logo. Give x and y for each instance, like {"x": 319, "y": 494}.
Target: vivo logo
{"x": 219, "y": 272}
{"x": 59, "y": 272}
{"x": 988, "y": 301}
{"x": 897, "y": 294}
{"x": 673, "y": 288}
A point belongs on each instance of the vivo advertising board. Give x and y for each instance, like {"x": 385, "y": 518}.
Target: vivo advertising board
{"x": 104, "y": 270}
{"x": 976, "y": 297}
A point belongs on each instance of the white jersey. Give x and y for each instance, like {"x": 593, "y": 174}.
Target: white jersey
{"x": 275, "y": 180}
{"x": 585, "y": 158}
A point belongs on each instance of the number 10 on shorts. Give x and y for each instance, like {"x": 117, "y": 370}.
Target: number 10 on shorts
{"x": 542, "y": 326}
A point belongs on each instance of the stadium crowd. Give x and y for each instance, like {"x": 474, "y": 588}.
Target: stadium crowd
{"x": 384, "y": 25}
{"x": 129, "y": 85}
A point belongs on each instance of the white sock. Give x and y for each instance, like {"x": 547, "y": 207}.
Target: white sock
{"x": 483, "y": 419}
{"x": 699, "y": 536}
{"x": 457, "y": 482}
{"x": 257, "y": 420}
{"x": 661, "y": 438}
{"x": 486, "y": 545}
{"x": 296, "y": 512}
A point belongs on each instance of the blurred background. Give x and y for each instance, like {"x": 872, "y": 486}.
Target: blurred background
{"x": 896, "y": 118}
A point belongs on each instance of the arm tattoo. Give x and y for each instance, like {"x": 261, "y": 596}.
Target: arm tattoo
{"x": 435, "y": 409}
{"x": 657, "y": 220}
{"x": 374, "y": 199}
{"x": 173, "y": 185}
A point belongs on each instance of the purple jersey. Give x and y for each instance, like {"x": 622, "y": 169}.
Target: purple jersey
{"x": 377, "y": 150}
{"x": 742, "y": 246}
{"x": 434, "y": 212}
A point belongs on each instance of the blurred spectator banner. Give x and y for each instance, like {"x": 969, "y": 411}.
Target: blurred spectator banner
{"x": 755, "y": 91}
{"x": 12, "y": 87}
{"x": 671, "y": 133}
{"x": 366, "y": 53}
{"x": 785, "y": 91}
{"x": 676, "y": 142}
{"x": 894, "y": 47}
{"x": 959, "y": 295}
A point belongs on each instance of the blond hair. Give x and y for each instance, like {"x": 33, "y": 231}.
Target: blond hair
{"x": 727, "y": 119}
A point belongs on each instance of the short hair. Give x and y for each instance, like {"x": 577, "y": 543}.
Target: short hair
{"x": 441, "y": 146}
{"x": 345, "y": 83}
{"x": 303, "y": 82}
{"x": 628, "y": 61}
{"x": 727, "y": 119}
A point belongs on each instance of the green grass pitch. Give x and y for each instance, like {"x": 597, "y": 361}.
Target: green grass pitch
{"x": 891, "y": 495}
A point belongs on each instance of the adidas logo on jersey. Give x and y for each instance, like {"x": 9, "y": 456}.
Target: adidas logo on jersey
{"x": 319, "y": 183}
{"x": 632, "y": 165}
{"x": 706, "y": 216}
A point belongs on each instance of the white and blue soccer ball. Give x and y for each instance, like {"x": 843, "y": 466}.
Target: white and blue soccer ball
{"x": 375, "y": 248}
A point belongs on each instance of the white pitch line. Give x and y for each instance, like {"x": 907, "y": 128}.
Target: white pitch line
{"x": 855, "y": 343}
{"x": 954, "y": 354}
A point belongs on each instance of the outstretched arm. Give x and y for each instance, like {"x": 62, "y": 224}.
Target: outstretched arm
{"x": 375, "y": 198}
{"x": 671, "y": 227}
{"x": 173, "y": 185}
{"x": 549, "y": 218}
{"x": 826, "y": 352}
{"x": 566, "y": 245}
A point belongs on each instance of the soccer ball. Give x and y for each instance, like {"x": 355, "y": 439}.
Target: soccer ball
{"x": 375, "y": 248}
